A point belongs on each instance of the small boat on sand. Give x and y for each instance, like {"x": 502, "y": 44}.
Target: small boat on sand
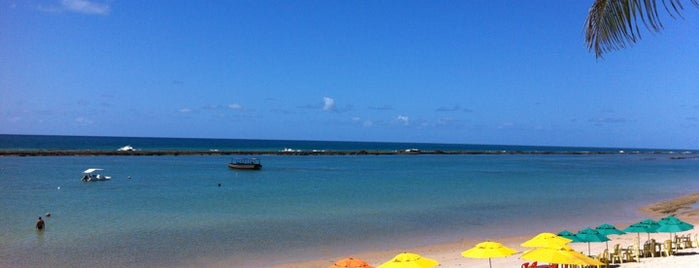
{"x": 245, "y": 163}
{"x": 92, "y": 175}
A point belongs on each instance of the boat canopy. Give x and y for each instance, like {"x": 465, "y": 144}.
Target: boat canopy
{"x": 90, "y": 170}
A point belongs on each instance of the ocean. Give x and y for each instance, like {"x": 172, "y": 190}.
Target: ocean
{"x": 185, "y": 211}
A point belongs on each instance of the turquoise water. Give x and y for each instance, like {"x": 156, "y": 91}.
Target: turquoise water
{"x": 171, "y": 212}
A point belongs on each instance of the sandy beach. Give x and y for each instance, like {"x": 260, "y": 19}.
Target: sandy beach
{"x": 449, "y": 254}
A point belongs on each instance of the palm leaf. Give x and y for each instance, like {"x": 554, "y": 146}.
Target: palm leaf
{"x": 613, "y": 24}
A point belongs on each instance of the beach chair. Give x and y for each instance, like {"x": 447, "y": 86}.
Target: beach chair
{"x": 631, "y": 254}
{"x": 553, "y": 265}
{"x": 603, "y": 258}
{"x": 668, "y": 250}
{"x": 696, "y": 240}
{"x": 687, "y": 240}
{"x": 649, "y": 249}
{"x": 615, "y": 255}
{"x": 533, "y": 265}
{"x": 525, "y": 265}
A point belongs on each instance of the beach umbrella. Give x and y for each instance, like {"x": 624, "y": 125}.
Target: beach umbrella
{"x": 409, "y": 260}
{"x": 591, "y": 235}
{"x": 608, "y": 229}
{"x": 570, "y": 235}
{"x": 350, "y": 263}
{"x": 560, "y": 255}
{"x": 546, "y": 240}
{"x": 488, "y": 250}
{"x": 645, "y": 226}
{"x": 672, "y": 224}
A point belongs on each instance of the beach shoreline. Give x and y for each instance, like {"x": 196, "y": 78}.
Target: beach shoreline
{"x": 448, "y": 254}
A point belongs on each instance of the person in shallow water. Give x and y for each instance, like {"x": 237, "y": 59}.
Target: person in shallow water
{"x": 40, "y": 224}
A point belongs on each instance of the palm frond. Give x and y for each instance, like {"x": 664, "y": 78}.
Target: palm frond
{"x": 614, "y": 24}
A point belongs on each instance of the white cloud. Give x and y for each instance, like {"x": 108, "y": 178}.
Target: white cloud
{"x": 404, "y": 119}
{"x": 328, "y": 104}
{"x": 185, "y": 110}
{"x": 235, "y": 106}
{"x": 85, "y": 7}
{"x": 83, "y": 121}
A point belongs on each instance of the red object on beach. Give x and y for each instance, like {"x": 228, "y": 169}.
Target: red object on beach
{"x": 350, "y": 263}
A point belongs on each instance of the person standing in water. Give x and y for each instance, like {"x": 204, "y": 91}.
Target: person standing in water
{"x": 40, "y": 224}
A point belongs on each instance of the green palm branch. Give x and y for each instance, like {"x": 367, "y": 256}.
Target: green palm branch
{"x": 614, "y": 24}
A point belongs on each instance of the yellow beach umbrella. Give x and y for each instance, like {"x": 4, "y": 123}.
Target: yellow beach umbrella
{"x": 488, "y": 250}
{"x": 409, "y": 260}
{"x": 544, "y": 240}
{"x": 560, "y": 255}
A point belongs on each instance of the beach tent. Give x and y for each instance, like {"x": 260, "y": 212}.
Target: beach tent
{"x": 559, "y": 255}
{"x": 409, "y": 260}
{"x": 488, "y": 250}
{"x": 350, "y": 263}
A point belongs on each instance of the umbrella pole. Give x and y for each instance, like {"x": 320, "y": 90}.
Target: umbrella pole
{"x": 588, "y": 248}
{"x": 490, "y": 263}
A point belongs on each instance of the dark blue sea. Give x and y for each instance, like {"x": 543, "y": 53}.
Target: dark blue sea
{"x": 192, "y": 211}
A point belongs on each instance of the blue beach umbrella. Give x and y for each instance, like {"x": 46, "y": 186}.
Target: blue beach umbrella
{"x": 591, "y": 235}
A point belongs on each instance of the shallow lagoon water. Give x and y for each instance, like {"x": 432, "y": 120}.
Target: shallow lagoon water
{"x": 171, "y": 212}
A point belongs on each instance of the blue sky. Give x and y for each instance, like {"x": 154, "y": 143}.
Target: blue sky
{"x": 474, "y": 72}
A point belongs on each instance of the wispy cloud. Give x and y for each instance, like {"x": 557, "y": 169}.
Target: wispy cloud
{"x": 404, "y": 119}
{"x": 82, "y": 121}
{"x": 185, "y": 110}
{"x": 607, "y": 120}
{"x": 453, "y": 108}
{"x": 86, "y": 7}
{"x": 78, "y": 6}
{"x": 235, "y": 106}
{"x": 381, "y": 108}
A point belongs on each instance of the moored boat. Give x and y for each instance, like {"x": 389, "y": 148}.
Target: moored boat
{"x": 92, "y": 175}
{"x": 246, "y": 163}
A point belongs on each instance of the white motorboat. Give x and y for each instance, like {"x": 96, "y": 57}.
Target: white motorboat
{"x": 91, "y": 174}
{"x": 126, "y": 148}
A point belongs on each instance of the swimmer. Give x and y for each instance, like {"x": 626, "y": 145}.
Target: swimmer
{"x": 40, "y": 224}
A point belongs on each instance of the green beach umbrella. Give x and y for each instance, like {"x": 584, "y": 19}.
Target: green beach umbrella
{"x": 672, "y": 224}
{"x": 591, "y": 235}
{"x": 640, "y": 228}
{"x": 570, "y": 235}
{"x": 608, "y": 229}
{"x": 651, "y": 223}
